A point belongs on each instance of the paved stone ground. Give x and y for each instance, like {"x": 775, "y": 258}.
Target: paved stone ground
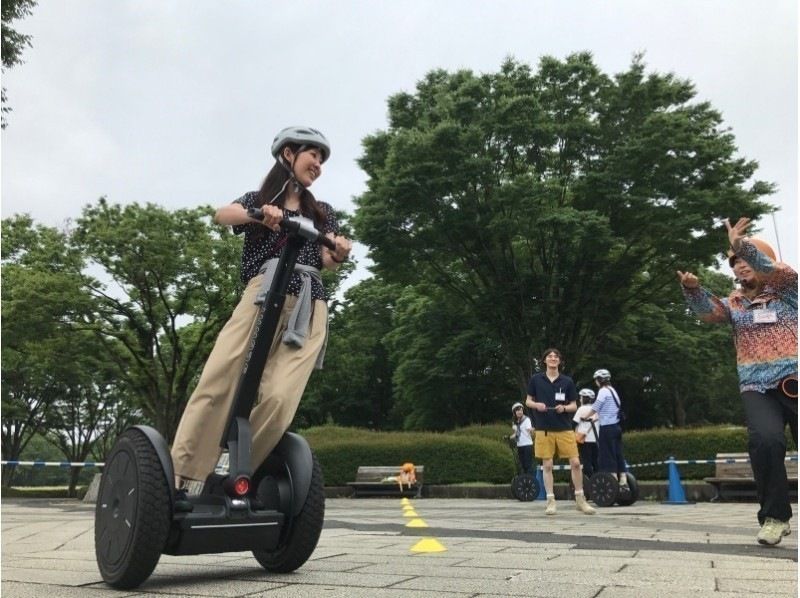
{"x": 493, "y": 548}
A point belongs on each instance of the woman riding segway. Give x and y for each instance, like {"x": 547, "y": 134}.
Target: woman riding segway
{"x": 299, "y": 153}
{"x": 272, "y": 501}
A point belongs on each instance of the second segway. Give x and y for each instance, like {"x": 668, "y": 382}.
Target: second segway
{"x": 606, "y": 489}
{"x": 524, "y": 486}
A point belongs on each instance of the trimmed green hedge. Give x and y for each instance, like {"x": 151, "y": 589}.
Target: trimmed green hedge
{"x": 448, "y": 458}
{"x": 479, "y": 454}
{"x": 42, "y": 492}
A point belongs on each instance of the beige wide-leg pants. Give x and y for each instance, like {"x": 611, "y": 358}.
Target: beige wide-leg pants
{"x": 196, "y": 448}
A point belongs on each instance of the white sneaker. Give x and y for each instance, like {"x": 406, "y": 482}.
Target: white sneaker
{"x": 773, "y": 531}
{"x": 551, "y": 507}
{"x": 583, "y": 506}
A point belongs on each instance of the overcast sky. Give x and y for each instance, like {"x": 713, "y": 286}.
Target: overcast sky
{"x": 176, "y": 103}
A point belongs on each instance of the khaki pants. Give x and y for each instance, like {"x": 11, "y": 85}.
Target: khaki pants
{"x": 196, "y": 449}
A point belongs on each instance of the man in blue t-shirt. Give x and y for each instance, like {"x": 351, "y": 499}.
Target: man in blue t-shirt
{"x": 552, "y": 398}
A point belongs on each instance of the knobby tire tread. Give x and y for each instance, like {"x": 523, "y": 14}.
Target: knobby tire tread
{"x": 152, "y": 518}
{"x": 305, "y": 532}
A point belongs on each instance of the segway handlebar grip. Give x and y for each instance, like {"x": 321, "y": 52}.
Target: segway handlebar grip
{"x": 298, "y": 226}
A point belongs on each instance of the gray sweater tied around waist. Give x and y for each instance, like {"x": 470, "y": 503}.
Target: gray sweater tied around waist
{"x": 300, "y": 318}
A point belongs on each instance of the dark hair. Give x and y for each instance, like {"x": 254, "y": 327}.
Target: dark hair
{"x": 275, "y": 179}
{"x": 557, "y": 352}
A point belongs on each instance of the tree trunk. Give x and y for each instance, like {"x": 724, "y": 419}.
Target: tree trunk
{"x": 8, "y": 475}
{"x": 679, "y": 409}
{"x": 74, "y": 472}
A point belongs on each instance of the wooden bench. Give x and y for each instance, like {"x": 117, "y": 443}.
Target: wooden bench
{"x": 735, "y": 480}
{"x": 373, "y": 480}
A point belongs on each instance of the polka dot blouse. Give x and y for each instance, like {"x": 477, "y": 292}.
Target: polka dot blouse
{"x": 257, "y": 250}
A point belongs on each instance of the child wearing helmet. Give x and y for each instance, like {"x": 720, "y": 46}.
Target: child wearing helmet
{"x": 299, "y": 153}
{"x": 608, "y": 408}
{"x": 586, "y": 432}
{"x": 522, "y": 434}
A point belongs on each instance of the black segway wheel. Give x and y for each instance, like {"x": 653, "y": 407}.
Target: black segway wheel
{"x": 304, "y": 533}
{"x": 604, "y": 488}
{"x": 514, "y": 487}
{"x": 524, "y": 487}
{"x": 628, "y": 496}
{"x": 133, "y": 512}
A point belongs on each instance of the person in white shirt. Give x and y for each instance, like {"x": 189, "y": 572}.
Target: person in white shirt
{"x": 586, "y": 431}
{"x": 522, "y": 433}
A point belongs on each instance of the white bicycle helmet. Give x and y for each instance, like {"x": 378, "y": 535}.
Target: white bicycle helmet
{"x": 588, "y": 393}
{"x": 602, "y": 375}
{"x": 302, "y": 136}
{"x": 515, "y": 406}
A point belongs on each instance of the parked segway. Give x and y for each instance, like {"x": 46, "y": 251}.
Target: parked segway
{"x": 606, "y": 490}
{"x": 524, "y": 486}
{"x": 274, "y": 509}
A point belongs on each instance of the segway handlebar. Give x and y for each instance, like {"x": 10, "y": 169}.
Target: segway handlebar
{"x": 299, "y": 226}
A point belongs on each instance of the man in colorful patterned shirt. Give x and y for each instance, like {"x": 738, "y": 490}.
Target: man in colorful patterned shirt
{"x": 763, "y": 313}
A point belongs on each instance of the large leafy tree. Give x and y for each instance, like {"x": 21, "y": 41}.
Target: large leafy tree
{"x": 548, "y": 205}
{"x": 14, "y": 42}
{"x": 90, "y": 397}
{"x": 42, "y": 297}
{"x": 168, "y": 282}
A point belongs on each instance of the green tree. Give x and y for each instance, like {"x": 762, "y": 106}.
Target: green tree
{"x": 171, "y": 281}
{"x": 88, "y": 394}
{"x": 355, "y": 387}
{"x": 682, "y": 371}
{"x": 448, "y": 370}
{"x": 549, "y": 204}
{"x": 42, "y": 282}
{"x": 14, "y": 42}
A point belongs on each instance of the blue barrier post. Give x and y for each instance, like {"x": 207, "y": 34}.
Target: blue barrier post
{"x": 540, "y": 482}
{"x": 675, "y": 493}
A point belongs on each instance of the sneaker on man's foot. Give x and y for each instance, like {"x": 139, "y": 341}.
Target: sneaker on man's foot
{"x": 583, "y": 506}
{"x": 772, "y": 531}
{"x": 551, "y": 507}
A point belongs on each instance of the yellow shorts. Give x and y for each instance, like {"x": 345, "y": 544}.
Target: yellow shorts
{"x": 549, "y": 445}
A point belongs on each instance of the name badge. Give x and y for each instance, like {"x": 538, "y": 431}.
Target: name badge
{"x": 765, "y": 316}
{"x": 560, "y": 397}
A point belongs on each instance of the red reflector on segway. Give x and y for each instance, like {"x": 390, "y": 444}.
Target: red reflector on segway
{"x": 241, "y": 486}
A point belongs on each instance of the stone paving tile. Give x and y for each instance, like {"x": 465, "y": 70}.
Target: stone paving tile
{"x": 757, "y": 586}
{"x": 373, "y": 580}
{"x": 306, "y": 591}
{"x": 12, "y": 589}
{"x": 617, "y": 592}
{"x": 755, "y": 564}
{"x": 49, "y": 576}
{"x": 445, "y": 558}
{"x": 513, "y": 587}
{"x": 487, "y": 554}
{"x": 181, "y": 586}
{"x": 430, "y": 570}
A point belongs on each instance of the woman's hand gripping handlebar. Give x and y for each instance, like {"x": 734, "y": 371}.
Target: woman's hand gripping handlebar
{"x": 300, "y": 226}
